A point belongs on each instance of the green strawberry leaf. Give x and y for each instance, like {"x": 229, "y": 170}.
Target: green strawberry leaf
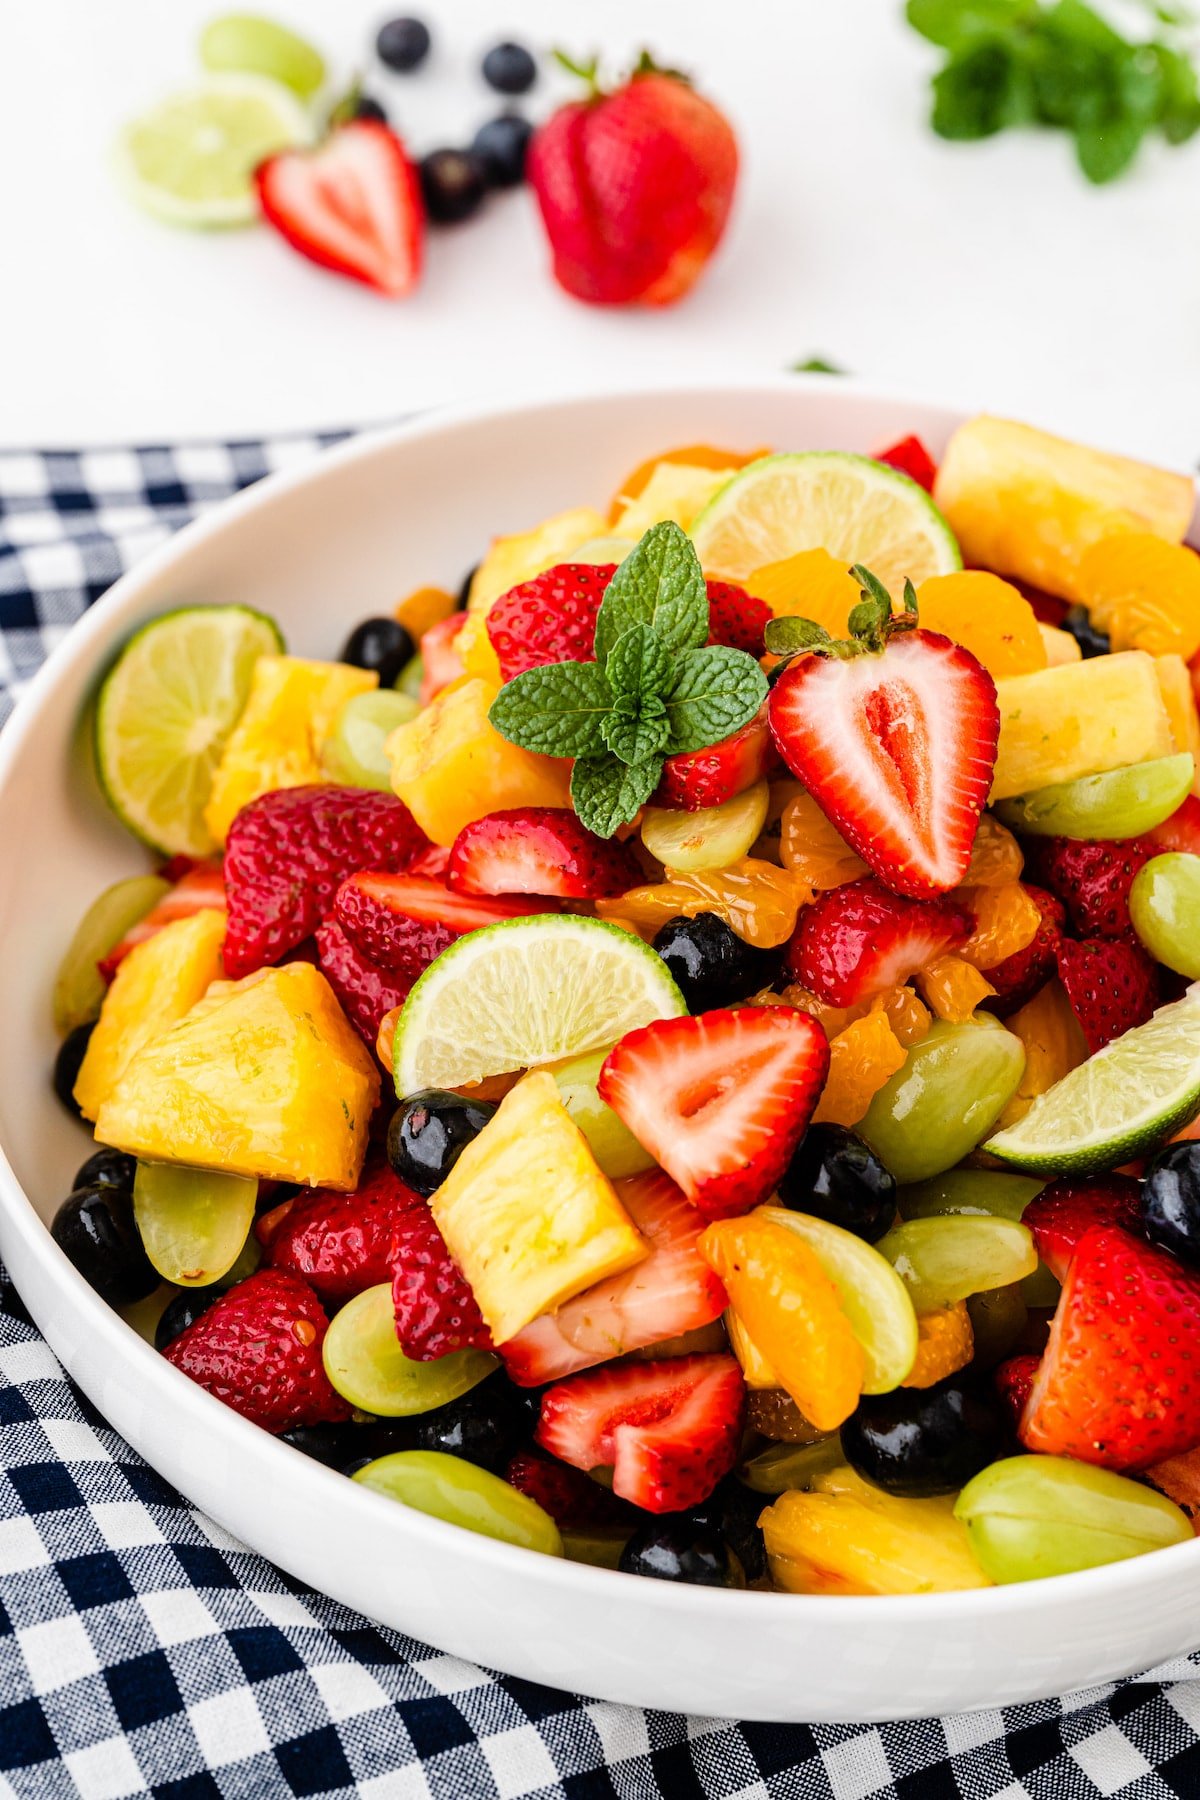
{"x": 660, "y": 584}
{"x": 606, "y": 792}
{"x": 556, "y": 710}
{"x": 715, "y": 692}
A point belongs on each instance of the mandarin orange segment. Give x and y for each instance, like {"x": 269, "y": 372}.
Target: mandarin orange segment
{"x": 1145, "y": 593}
{"x": 908, "y": 1016}
{"x": 996, "y": 856}
{"x": 1006, "y": 920}
{"x": 987, "y": 616}
{"x": 1054, "y": 1045}
{"x": 791, "y": 1310}
{"x": 953, "y": 989}
{"x": 695, "y": 456}
{"x": 861, "y": 1059}
{"x": 813, "y": 848}
{"x": 945, "y": 1344}
{"x": 812, "y": 584}
{"x": 757, "y": 900}
{"x": 425, "y": 607}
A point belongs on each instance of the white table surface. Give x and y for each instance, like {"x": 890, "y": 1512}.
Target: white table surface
{"x": 990, "y": 274}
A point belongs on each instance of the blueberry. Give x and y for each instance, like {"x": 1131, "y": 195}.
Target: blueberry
{"x": 1171, "y": 1200}
{"x": 921, "y": 1441}
{"x": 365, "y": 107}
{"x": 679, "y": 1548}
{"x": 1091, "y": 640}
{"x": 509, "y": 68}
{"x": 500, "y": 146}
{"x": 71, "y": 1053}
{"x": 107, "y": 1168}
{"x": 428, "y": 1133}
{"x": 403, "y": 44}
{"x": 733, "y": 1510}
{"x": 464, "y": 592}
{"x": 486, "y": 1426}
{"x": 183, "y": 1311}
{"x": 834, "y": 1176}
{"x": 709, "y": 962}
{"x": 381, "y": 644}
{"x": 453, "y": 183}
{"x": 95, "y": 1229}
{"x": 348, "y": 1446}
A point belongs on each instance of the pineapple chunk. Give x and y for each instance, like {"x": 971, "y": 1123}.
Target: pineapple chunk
{"x": 847, "y": 1537}
{"x": 263, "y": 1077}
{"x": 1060, "y": 646}
{"x": 474, "y": 646}
{"x": 514, "y": 559}
{"x": 676, "y": 491}
{"x": 277, "y": 741}
{"x": 1175, "y": 685}
{"x": 1025, "y": 503}
{"x": 159, "y": 981}
{"x": 756, "y": 1370}
{"x": 450, "y": 767}
{"x": 527, "y": 1214}
{"x": 1078, "y": 719}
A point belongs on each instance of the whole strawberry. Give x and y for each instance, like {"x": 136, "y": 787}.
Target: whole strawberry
{"x": 550, "y": 618}
{"x": 342, "y": 1243}
{"x": 436, "y": 1312}
{"x": 258, "y": 1348}
{"x": 365, "y": 991}
{"x": 1092, "y": 879}
{"x": 1066, "y": 1208}
{"x": 634, "y": 188}
{"x": 1111, "y": 986}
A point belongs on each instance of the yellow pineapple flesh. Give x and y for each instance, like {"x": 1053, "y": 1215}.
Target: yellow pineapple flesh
{"x": 848, "y": 1537}
{"x": 527, "y": 1214}
{"x": 675, "y": 491}
{"x": 1080, "y": 718}
{"x": 526, "y": 553}
{"x": 1179, "y": 698}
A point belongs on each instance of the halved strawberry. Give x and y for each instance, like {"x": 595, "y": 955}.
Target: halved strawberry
{"x": 711, "y": 776}
{"x": 436, "y": 1312}
{"x": 668, "y": 1430}
{"x": 353, "y": 205}
{"x": 539, "y": 850}
{"x": 1013, "y": 1383}
{"x": 573, "y": 1501}
{"x": 1111, "y": 986}
{"x": 342, "y": 1243}
{"x": 910, "y": 456}
{"x": 440, "y": 662}
{"x": 1066, "y": 1208}
{"x": 197, "y": 887}
{"x": 736, "y": 618}
{"x": 365, "y": 991}
{"x": 720, "y": 1100}
{"x": 1092, "y": 878}
{"x": 1020, "y": 976}
{"x": 401, "y": 922}
{"x": 1119, "y": 1382}
{"x": 671, "y": 1292}
{"x": 856, "y": 940}
{"x": 896, "y": 746}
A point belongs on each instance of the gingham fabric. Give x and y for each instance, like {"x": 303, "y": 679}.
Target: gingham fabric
{"x": 144, "y": 1652}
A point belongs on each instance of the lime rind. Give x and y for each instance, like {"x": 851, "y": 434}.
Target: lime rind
{"x": 857, "y": 509}
{"x": 1119, "y": 1103}
{"x": 163, "y": 715}
{"x": 525, "y": 992}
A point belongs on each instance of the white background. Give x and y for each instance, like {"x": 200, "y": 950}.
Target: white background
{"x": 990, "y": 274}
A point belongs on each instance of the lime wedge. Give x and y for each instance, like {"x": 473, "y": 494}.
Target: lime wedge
{"x": 164, "y": 712}
{"x": 1120, "y": 1102}
{"x": 859, "y": 510}
{"x": 191, "y": 159}
{"x": 247, "y": 41}
{"x": 526, "y": 992}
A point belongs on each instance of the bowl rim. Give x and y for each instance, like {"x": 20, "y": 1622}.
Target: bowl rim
{"x": 198, "y": 1411}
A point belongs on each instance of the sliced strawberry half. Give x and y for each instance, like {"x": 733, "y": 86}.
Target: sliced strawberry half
{"x": 910, "y": 456}
{"x": 1066, "y": 1208}
{"x": 573, "y": 1501}
{"x": 1092, "y": 878}
{"x": 720, "y": 1100}
{"x": 539, "y": 850}
{"x": 441, "y": 664}
{"x": 436, "y": 1312}
{"x": 668, "y": 1430}
{"x": 1019, "y": 977}
{"x": 897, "y": 748}
{"x": 858, "y": 939}
{"x": 197, "y": 888}
{"x": 365, "y": 991}
{"x": 1180, "y": 832}
{"x": 342, "y": 1243}
{"x": 401, "y": 922}
{"x": 353, "y": 205}
{"x": 711, "y": 776}
{"x": 1111, "y": 986}
{"x": 672, "y": 1291}
{"x": 1013, "y": 1383}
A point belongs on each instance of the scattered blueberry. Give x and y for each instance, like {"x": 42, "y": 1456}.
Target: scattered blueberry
{"x": 836, "y": 1177}
{"x": 428, "y": 1133}
{"x": 1171, "y": 1200}
{"x": 710, "y": 963}
{"x": 921, "y": 1441}
{"x": 1091, "y": 640}
{"x": 453, "y": 183}
{"x": 183, "y": 1311}
{"x": 733, "y": 1510}
{"x": 403, "y": 44}
{"x": 679, "y": 1548}
{"x": 509, "y": 68}
{"x": 94, "y": 1228}
{"x": 486, "y": 1426}
{"x": 107, "y": 1168}
{"x": 501, "y": 145}
{"x": 381, "y": 644}
{"x": 71, "y": 1053}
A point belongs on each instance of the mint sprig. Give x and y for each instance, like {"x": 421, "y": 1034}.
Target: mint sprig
{"x": 656, "y": 689}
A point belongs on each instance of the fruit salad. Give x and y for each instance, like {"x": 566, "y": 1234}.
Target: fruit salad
{"x": 685, "y": 1052}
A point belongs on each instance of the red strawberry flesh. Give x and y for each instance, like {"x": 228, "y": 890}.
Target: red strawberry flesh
{"x": 696, "y": 779}
{"x": 910, "y": 456}
{"x": 342, "y": 1244}
{"x": 365, "y": 991}
{"x": 858, "y": 939}
{"x": 1020, "y": 976}
{"x": 198, "y": 887}
{"x": 436, "y": 1312}
{"x": 1065, "y": 1209}
{"x": 402, "y": 922}
{"x": 1092, "y": 878}
{"x": 1111, "y": 986}
{"x": 550, "y": 618}
{"x": 574, "y": 1502}
{"x": 539, "y": 850}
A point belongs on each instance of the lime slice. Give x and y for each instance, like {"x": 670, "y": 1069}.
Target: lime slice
{"x": 191, "y": 159}
{"x": 527, "y": 992}
{"x": 860, "y": 511}
{"x": 246, "y": 41}
{"x": 1117, "y": 1104}
{"x": 165, "y": 710}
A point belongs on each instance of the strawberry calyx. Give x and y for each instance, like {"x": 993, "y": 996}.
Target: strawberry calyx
{"x": 872, "y": 624}
{"x": 589, "y": 71}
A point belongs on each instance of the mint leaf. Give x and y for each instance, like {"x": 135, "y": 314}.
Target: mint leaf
{"x": 956, "y": 23}
{"x": 638, "y": 663}
{"x": 784, "y": 637}
{"x": 716, "y": 691}
{"x": 661, "y": 584}
{"x": 606, "y": 792}
{"x": 636, "y": 728}
{"x": 557, "y": 710}
{"x": 1106, "y": 151}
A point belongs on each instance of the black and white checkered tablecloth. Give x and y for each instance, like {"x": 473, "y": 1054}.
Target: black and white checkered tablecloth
{"x": 144, "y": 1652}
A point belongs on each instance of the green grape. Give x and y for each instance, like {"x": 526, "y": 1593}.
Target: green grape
{"x": 613, "y": 1145}
{"x": 785, "y": 1466}
{"x": 366, "y": 1365}
{"x": 998, "y": 1318}
{"x": 353, "y": 752}
{"x": 977, "y": 1191}
{"x": 1031, "y": 1516}
{"x": 1164, "y": 904}
{"x": 144, "y": 1315}
{"x": 79, "y": 987}
{"x": 243, "y": 42}
{"x": 409, "y": 680}
{"x": 449, "y": 1488}
{"x": 1121, "y": 803}
{"x": 944, "y": 1260}
{"x": 193, "y": 1222}
{"x": 600, "y": 1545}
{"x": 711, "y": 838}
{"x": 946, "y": 1097}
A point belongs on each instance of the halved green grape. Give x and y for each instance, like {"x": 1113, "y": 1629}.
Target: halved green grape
{"x": 998, "y": 1317}
{"x": 1032, "y": 1516}
{"x": 244, "y": 41}
{"x": 786, "y": 1466}
{"x": 973, "y": 1191}
{"x": 1121, "y": 803}
{"x": 613, "y": 1145}
{"x": 944, "y": 1260}
{"x": 449, "y": 1488}
{"x": 353, "y": 752}
{"x": 873, "y": 1296}
{"x": 409, "y": 680}
{"x": 948, "y": 1094}
{"x": 193, "y": 1222}
{"x": 711, "y": 838}
{"x": 79, "y": 987}
{"x": 1164, "y": 904}
{"x": 366, "y": 1365}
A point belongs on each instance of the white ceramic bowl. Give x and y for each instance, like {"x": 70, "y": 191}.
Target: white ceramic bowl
{"x": 320, "y": 549}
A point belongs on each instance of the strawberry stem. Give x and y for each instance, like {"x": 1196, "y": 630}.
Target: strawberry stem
{"x": 588, "y": 71}
{"x": 872, "y": 622}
